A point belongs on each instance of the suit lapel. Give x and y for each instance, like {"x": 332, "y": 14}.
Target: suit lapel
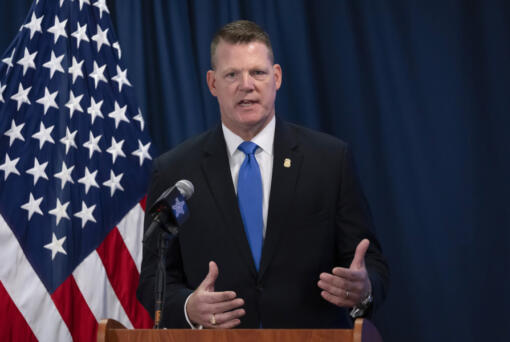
{"x": 286, "y": 167}
{"x": 215, "y": 166}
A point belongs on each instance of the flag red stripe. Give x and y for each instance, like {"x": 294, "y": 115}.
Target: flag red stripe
{"x": 124, "y": 280}
{"x": 13, "y": 326}
{"x": 143, "y": 202}
{"x": 74, "y": 311}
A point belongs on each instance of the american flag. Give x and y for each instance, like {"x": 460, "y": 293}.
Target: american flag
{"x": 74, "y": 162}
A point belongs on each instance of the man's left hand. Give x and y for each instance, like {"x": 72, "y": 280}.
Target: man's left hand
{"x": 347, "y": 287}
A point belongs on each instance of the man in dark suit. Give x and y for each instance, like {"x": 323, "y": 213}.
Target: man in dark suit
{"x": 279, "y": 234}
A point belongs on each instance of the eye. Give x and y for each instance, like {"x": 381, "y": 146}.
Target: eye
{"x": 259, "y": 74}
{"x": 230, "y": 75}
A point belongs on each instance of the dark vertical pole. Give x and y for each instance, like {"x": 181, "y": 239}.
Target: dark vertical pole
{"x": 164, "y": 238}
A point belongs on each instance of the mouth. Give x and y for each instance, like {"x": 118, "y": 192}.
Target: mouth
{"x": 246, "y": 103}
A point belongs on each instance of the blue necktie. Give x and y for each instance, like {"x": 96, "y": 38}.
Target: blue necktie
{"x": 249, "y": 195}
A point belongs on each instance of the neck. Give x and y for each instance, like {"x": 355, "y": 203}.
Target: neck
{"x": 249, "y": 132}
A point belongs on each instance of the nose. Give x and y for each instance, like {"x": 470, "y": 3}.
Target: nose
{"x": 246, "y": 82}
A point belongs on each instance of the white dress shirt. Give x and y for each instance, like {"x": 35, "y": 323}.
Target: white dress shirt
{"x": 264, "y": 155}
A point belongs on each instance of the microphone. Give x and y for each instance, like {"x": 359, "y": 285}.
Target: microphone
{"x": 170, "y": 209}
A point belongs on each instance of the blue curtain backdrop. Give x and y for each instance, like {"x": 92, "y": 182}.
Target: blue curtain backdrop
{"x": 420, "y": 89}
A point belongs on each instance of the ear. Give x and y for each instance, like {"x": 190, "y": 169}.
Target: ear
{"x": 277, "y": 70}
{"x": 211, "y": 82}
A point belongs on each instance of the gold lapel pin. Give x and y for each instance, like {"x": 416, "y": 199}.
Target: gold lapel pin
{"x": 286, "y": 163}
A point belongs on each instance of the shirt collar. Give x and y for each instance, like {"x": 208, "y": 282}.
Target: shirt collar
{"x": 264, "y": 139}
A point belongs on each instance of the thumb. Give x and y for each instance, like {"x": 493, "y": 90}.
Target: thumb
{"x": 209, "y": 280}
{"x": 359, "y": 256}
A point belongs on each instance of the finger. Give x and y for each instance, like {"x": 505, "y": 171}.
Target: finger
{"x": 346, "y": 273}
{"x": 227, "y": 306}
{"x": 228, "y": 325}
{"x": 338, "y": 301}
{"x": 209, "y": 280}
{"x": 355, "y": 288}
{"x": 359, "y": 256}
{"x": 334, "y": 280}
{"x": 334, "y": 290}
{"x": 228, "y": 316}
{"x": 218, "y": 297}
{"x": 352, "y": 280}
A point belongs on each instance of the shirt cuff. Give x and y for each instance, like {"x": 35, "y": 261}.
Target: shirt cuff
{"x": 192, "y": 326}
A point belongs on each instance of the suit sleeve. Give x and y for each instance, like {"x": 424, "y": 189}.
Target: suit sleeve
{"x": 355, "y": 224}
{"x": 176, "y": 289}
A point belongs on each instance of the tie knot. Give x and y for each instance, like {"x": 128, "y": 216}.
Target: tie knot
{"x": 248, "y": 147}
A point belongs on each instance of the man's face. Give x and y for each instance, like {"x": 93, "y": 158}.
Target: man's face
{"x": 245, "y": 83}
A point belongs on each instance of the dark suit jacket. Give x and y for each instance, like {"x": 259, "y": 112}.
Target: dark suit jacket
{"x": 317, "y": 216}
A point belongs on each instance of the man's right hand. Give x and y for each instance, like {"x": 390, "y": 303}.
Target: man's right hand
{"x": 206, "y": 307}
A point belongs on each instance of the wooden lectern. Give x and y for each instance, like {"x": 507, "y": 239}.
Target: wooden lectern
{"x": 110, "y": 330}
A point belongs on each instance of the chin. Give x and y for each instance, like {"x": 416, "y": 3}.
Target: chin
{"x": 249, "y": 116}
{"x": 253, "y": 120}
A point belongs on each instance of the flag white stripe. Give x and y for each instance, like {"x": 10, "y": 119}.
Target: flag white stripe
{"x": 93, "y": 282}
{"x": 27, "y": 291}
{"x": 131, "y": 230}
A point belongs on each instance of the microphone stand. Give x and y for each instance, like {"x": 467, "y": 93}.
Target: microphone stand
{"x": 167, "y": 223}
{"x": 166, "y": 232}
{"x": 163, "y": 243}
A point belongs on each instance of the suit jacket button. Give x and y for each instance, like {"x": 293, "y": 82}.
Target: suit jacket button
{"x": 260, "y": 288}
